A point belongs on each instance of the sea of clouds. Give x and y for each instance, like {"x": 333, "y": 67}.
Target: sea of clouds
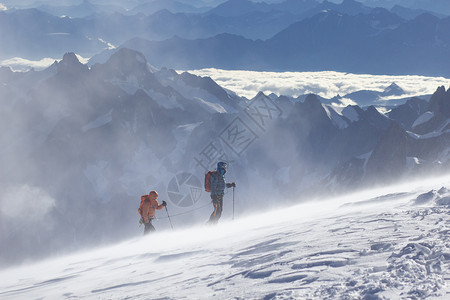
{"x": 326, "y": 84}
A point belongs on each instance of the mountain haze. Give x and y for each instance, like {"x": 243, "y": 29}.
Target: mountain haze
{"x": 91, "y": 140}
{"x": 378, "y": 43}
{"x": 333, "y": 117}
{"x": 363, "y": 39}
{"x": 385, "y": 243}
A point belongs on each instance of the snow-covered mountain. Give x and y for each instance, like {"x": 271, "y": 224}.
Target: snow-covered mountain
{"x": 369, "y": 97}
{"x": 361, "y": 43}
{"x": 33, "y": 34}
{"x": 405, "y": 147}
{"x": 390, "y": 243}
{"x": 111, "y": 129}
{"x": 86, "y": 142}
{"x": 91, "y": 27}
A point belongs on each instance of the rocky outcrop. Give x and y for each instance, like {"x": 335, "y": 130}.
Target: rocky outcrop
{"x": 388, "y": 158}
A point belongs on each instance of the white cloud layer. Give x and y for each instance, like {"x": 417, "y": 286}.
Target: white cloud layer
{"x": 326, "y": 84}
{"x": 22, "y": 64}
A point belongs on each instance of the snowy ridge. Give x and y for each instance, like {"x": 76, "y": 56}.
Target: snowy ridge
{"x": 443, "y": 129}
{"x": 100, "y": 121}
{"x": 335, "y": 117}
{"x": 423, "y": 118}
{"x": 204, "y": 98}
{"x": 391, "y": 243}
{"x": 350, "y": 113}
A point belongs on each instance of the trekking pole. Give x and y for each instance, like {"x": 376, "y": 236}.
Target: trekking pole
{"x": 233, "y": 201}
{"x": 169, "y": 217}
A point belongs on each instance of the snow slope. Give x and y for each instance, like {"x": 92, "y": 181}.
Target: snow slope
{"x": 387, "y": 243}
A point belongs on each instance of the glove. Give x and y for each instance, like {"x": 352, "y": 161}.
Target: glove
{"x": 164, "y": 203}
{"x": 231, "y": 185}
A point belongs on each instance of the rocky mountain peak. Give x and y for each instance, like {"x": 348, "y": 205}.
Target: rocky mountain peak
{"x": 388, "y": 159}
{"x": 309, "y": 111}
{"x": 129, "y": 60}
{"x": 71, "y": 64}
{"x": 70, "y": 58}
{"x": 125, "y": 63}
{"x": 406, "y": 114}
{"x": 373, "y": 116}
{"x": 312, "y": 101}
{"x": 440, "y": 102}
{"x": 393, "y": 89}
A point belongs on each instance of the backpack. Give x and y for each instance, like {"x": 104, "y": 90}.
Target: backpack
{"x": 142, "y": 204}
{"x": 208, "y": 181}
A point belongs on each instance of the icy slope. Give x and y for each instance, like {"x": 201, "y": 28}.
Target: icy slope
{"x": 391, "y": 243}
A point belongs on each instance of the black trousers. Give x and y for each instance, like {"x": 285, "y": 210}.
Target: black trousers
{"x": 217, "y": 201}
{"x": 149, "y": 227}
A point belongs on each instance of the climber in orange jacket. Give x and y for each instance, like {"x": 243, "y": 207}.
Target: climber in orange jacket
{"x": 147, "y": 209}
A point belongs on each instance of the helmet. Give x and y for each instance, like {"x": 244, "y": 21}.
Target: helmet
{"x": 222, "y": 167}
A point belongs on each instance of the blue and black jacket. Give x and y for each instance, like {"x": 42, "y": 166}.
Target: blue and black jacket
{"x": 217, "y": 184}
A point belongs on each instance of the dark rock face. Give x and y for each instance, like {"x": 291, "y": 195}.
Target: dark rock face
{"x": 349, "y": 173}
{"x": 71, "y": 66}
{"x": 440, "y": 102}
{"x": 407, "y": 113}
{"x": 388, "y": 158}
{"x": 439, "y": 106}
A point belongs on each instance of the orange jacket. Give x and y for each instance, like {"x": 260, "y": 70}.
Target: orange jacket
{"x": 148, "y": 208}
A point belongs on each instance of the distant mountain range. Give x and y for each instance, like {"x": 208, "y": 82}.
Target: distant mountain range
{"x": 96, "y": 138}
{"x": 101, "y": 6}
{"x": 438, "y": 6}
{"x": 84, "y": 9}
{"x": 292, "y": 35}
{"x": 378, "y": 43}
{"x": 87, "y": 8}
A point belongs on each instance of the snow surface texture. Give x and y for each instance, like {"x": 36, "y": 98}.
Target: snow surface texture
{"x": 390, "y": 243}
